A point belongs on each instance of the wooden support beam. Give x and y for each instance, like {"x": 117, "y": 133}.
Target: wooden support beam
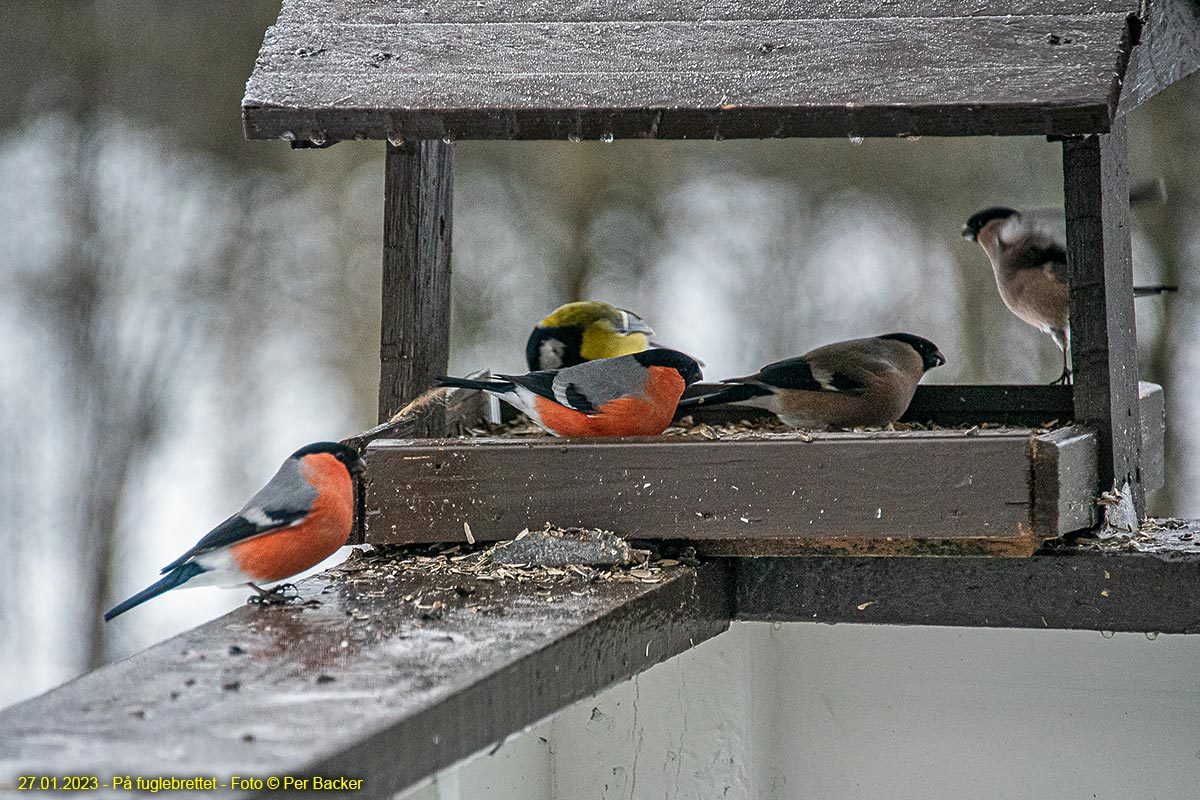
{"x": 1103, "y": 337}
{"x": 415, "y": 338}
{"x": 355, "y": 681}
{"x": 1147, "y": 583}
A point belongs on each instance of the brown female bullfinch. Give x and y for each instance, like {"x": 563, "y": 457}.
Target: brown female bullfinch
{"x": 859, "y": 382}
{"x": 1028, "y": 253}
{"x": 300, "y": 518}
{"x": 633, "y": 395}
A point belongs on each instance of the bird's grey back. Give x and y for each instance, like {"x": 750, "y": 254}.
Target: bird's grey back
{"x": 599, "y": 381}
{"x": 286, "y": 491}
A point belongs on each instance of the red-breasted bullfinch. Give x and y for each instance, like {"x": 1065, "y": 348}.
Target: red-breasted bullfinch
{"x": 585, "y": 331}
{"x": 1028, "y": 253}
{"x": 633, "y": 395}
{"x": 300, "y": 518}
{"x": 856, "y": 383}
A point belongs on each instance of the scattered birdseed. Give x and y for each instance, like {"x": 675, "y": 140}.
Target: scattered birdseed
{"x": 1166, "y": 537}
{"x": 534, "y": 558}
{"x": 758, "y": 427}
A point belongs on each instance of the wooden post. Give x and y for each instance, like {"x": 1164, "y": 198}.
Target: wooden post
{"x": 415, "y": 336}
{"x": 1103, "y": 337}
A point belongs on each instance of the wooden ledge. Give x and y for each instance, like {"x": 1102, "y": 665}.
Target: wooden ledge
{"x": 1147, "y": 583}
{"x": 356, "y": 681}
{"x": 390, "y": 676}
{"x": 941, "y": 492}
{"x": 982, "y": 491}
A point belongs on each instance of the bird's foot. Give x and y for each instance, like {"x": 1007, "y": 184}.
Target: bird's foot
{"x": 1062, "y": 380}
{"x": 280, "y": 595}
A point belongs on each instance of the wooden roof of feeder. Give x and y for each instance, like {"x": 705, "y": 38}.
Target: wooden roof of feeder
{"x": 711, "y": 69}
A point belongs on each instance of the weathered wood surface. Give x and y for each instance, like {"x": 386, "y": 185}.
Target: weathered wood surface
{"x": 440, "y": 12}
{"x": 1150, "y": 583}
{"x": 1168, "y": 51}
{"x": 1025, "y": 405}
{"x": 1103, "y": 330}
{"x": 670, "y": 70}
{"x": 966, "y": 404}
{"x": 358, "y": 682}
{"x": 942, "y": 404}
{"x": 1153, "y": 432}
{"x": 400, "y": 689}
{"x": 867, "y": 493}
{"x": 415, "y": 324}
{"x": 1064, "y": 480}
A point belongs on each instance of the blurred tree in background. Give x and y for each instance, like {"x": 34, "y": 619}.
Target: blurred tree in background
{"x": 182, "y": 307}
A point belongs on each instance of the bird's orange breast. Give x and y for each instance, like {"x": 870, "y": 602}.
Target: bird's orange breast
{"x": 284, "y": 553}
{"x": 647, "y": 413}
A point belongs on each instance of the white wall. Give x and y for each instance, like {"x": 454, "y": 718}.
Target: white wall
{"x": 800, "y": 711}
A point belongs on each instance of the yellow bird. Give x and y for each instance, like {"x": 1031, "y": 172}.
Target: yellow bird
{"x": 585, "y": 331}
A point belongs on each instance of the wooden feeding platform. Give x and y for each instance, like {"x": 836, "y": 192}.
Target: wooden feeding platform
{"x": 425, "y": 75}
{"x": 984, "y": 489}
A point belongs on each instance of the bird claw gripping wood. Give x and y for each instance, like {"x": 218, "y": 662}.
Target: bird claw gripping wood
{"x": 281, "y": 595}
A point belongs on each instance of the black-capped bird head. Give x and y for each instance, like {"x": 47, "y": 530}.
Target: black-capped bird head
{"x": 977, "y": 222}
{"x": 687, "y": 367}
{"x": 585, "y": 331}
{"x": 342, "y": 452}
{"x": 930, "y": 355}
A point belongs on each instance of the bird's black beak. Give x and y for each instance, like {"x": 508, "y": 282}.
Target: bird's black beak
{"x": 938, "y": 359}
{"x": 358, "y": 467}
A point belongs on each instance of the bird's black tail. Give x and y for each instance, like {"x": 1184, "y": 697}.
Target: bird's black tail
{"x": 1150, "y": 291}
{"x": 176, "y": 577}
{"x": 483, "y": 386}
{"x": 733, "y": 393}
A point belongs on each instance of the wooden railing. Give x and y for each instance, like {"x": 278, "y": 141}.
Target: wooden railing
{"x": 388, "y": 674}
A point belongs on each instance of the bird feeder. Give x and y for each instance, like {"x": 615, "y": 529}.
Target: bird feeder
{"x": 406, "y": 667}
{"x": 424, "y": 75}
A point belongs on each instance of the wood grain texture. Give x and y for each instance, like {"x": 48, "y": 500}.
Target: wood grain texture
{"x": 686, "y": 70}
{"x": 833, "y": 490}
{"x": 389, "y": 692}
{"x": 1152, "y": 405}
{"x": 1064, "y": 475}
{"x": 1168, "y": 51}
{"x": 433, "y": 12}
{"x": 1103, "y": 334}
{"x": 1154, "y": 587}
{"x": 1017, "y": 405}
{"x": 942, "y": 404}
{"x": 415, "y": 325}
